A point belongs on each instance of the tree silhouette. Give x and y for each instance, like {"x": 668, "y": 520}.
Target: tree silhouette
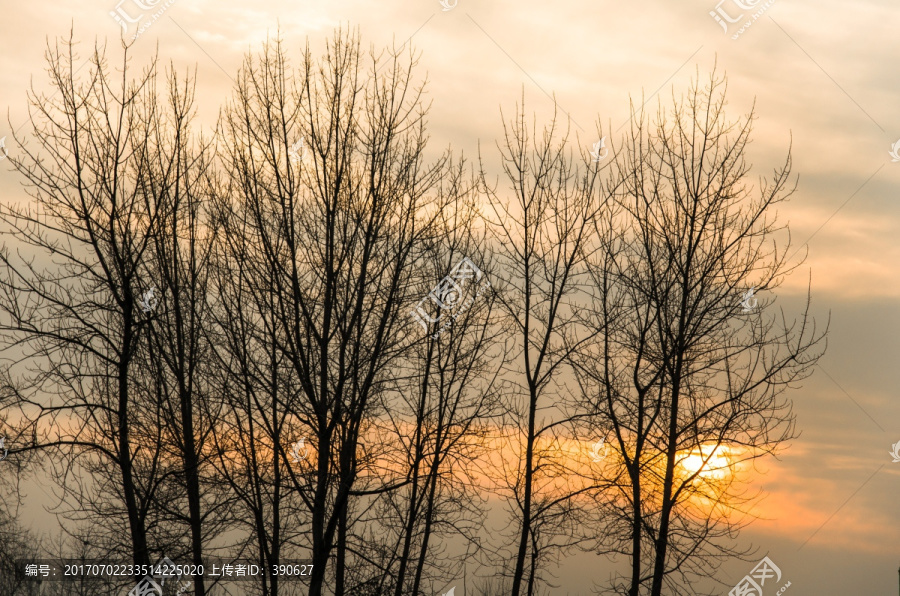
{"x": 688, "y": 380}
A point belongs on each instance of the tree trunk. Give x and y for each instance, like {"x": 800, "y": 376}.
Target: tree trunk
{"x": 140, "y": 552}
{"x": 526, "y": 504}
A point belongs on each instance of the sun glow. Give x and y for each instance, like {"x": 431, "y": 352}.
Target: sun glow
{"x": 712, "y": 462}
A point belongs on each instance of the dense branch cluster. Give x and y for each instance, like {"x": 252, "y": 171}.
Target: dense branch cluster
{"x": 302, "y": 337}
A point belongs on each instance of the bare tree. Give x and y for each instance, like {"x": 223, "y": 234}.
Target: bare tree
{"x": 17, "y": 542}
{"x": 330, "y": 200}
{"x": 542, "y": 236}
{"x": 437, "y": 419}
{"x": 690, "y": 376}
{"x": 72, "y": 305}
{"x": 179, "y": 355}
{"x": 225, "y": 349}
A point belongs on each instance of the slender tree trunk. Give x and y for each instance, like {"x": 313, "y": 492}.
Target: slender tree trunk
{"x": 429, "y": 520}
{"x": 340, "y": 572}
{"x": 637, "y": 500}
{"x": 261, "y": 539}
{"x": 410, "y": 523}
{"x": 662, "y": 541}
{"x": 140, "y": 552}
{"x": 532, "y": 566}
{"x": 276, "y": 489}
{"x": 269, "y": 582}
{"x": 414, "y": 490}
{"x": 636, "y": 530}
{"x": 191, "y": 458}
{"x": 319, "y": 546}
{"x": 192, "y": 477}
{"x": 677, "y": 356}
{"x": 526, "y": 498}
{"x": 529, "y": 447}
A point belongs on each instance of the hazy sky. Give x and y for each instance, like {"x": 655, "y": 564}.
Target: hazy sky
{"x": 825, "y": 76}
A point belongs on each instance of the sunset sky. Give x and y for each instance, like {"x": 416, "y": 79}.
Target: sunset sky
{"x": 825, "y": 79}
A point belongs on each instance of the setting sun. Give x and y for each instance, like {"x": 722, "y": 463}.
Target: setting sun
{"x": 711, "y": 463}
